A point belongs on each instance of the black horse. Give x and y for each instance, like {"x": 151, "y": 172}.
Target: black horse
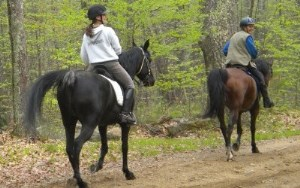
{"x": 88, "y": 98}
{"x": 235, "y": 89}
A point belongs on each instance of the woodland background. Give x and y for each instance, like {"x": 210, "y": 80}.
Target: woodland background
{"x": 186, "y": 40}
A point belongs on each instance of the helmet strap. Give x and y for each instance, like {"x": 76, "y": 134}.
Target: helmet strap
{"x": 98, "y": 19}
{"x": 101, "y": 19}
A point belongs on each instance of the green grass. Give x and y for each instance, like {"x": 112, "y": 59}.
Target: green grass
{"x": 53, "y": 147}
{"x": 146, "y": 147}
{"x": 150, "y": 147}
{"x": 271, "y": 124}
{"x": 277, "y": 135}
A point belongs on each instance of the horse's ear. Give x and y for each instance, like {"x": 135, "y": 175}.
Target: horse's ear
{"x": 146, "y": 45}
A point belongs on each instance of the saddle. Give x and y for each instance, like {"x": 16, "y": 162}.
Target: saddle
{"x": 243, "y": 68}
{"x": 119, "y": 93}
{"x": 102, "y": 70}
{"x": 246, "y": 70}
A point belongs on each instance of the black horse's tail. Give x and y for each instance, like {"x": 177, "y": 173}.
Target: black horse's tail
{"x": 216, "y": 91}
{"x": 36, "y": 94}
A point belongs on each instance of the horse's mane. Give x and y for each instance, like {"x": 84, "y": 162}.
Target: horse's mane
{"x": 263, "y": 66}
{"x": 129, "y": 57}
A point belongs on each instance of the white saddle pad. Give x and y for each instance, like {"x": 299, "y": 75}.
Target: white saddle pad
{"x": 117, "y": 89}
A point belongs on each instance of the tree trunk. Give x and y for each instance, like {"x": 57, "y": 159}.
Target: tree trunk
{"x": 19, "y": 58}
{"x": 252, "y": 2}
{"x": 219, "y": 25}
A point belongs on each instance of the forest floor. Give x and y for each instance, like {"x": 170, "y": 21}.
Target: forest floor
{"x": 277, "y": 165}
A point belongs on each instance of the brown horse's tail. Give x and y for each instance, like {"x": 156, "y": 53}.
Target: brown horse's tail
{"x": 216, "y": 92}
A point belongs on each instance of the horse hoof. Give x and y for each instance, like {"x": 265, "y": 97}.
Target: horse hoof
{"x": 236, "y": 147}
{"x": 83, "y": 185}
{"x": 229, "y": 156}
{"x": 255, "y": 150}
{"x": 72, "y": 182}
{"x": 95, "y": 168}
{"x": 129, "y": 176}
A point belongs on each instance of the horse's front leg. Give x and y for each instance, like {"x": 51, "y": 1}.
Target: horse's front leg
{"x": 125, "y": 131}
{"x": 236, "y": 145}
{"x": 104, "y": 149}
{"x": 254, "y": 114}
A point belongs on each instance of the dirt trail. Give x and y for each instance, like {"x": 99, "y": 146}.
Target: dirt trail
{"x": 278, "y": 165}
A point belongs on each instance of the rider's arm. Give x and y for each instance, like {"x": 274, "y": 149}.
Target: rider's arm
{"x": 251, "y": 47}
{"x": 225, "y": 48}
{"x": 83, "y": 52}
{"x": 115, "y": 43}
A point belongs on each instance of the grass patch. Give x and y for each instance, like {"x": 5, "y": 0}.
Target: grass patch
{"x": 51, "y": 148}
{"x": 149, "y": 147}
{"x": 152, "y": 146}
{"x": 272, "y": 124}
{"x": 277, "y": 135}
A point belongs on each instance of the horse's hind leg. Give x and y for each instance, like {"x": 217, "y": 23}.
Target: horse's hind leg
{"x": 236, "y": 145}
{"x": 223, "y": 127}
{"x": 85, "y": 134}
{"x": 70, "y": 124}
{"x": 254, "y": 114}
{"x": 224, "y": 131}
{"x": 232, "y": 120}
{"x": 70, "y": 133}
{"x": 125, "y": 131}
{"x": 104, "y": 148}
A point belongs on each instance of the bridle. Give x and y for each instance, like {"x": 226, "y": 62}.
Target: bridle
{"x": 145, "y": 61}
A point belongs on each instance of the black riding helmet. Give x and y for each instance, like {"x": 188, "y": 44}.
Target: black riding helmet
{"x": 96, "y": 10}
{"x": 247, "y": 21}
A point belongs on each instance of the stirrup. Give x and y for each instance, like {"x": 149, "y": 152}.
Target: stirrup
{"x": 127, "y": 117}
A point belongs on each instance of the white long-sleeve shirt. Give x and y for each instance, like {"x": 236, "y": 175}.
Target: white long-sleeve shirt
{"x": 102, "y": 47}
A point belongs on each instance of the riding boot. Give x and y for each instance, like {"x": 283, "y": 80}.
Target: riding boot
{"x": 268, "y": 103}
{"x": 127, "y": 116}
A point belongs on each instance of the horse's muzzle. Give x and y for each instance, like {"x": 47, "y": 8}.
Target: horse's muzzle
{"x": 148, "y": 81}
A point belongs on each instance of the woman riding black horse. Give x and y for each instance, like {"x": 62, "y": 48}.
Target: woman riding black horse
{"x": 90, "y": 99}
{"x": 101, "y": 47}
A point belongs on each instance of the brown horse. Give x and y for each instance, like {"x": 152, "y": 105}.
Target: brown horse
{"x": 237, "y": 90}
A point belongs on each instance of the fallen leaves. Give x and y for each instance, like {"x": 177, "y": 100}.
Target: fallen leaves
{"x": 22, "y": 163}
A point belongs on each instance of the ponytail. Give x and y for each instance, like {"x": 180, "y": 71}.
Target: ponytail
{"x": 89, "y": 30}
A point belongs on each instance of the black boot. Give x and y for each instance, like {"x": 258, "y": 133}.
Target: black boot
{"x": 127, "y": 116}
{"x": 268, "y": 103}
